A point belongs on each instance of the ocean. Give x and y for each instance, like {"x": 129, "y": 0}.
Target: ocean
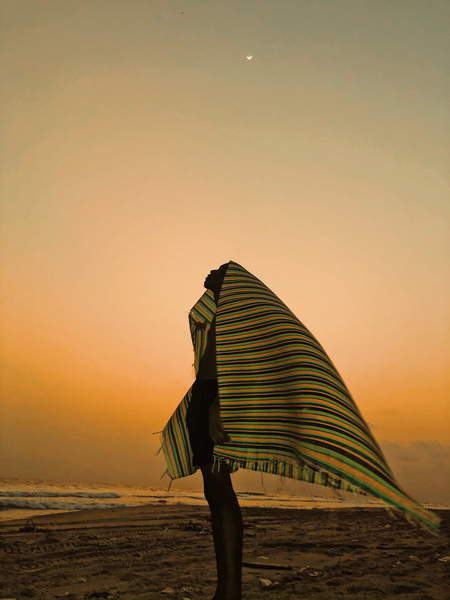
{"x": 25, "y": 498}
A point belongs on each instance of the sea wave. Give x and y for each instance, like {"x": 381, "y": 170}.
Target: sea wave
{"x": 158, "y": 496}
{"x": 57, "y": 505}
{"x": 49, "y": 494}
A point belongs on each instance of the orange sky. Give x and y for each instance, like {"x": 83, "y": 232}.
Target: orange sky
{"x": 141, "y": 149}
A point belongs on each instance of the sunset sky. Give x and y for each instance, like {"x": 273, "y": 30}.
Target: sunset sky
{"x": 141, "y": 148}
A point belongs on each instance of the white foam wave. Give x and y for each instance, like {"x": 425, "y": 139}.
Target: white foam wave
{"x": 57, "y": 505}
{"x": 49, "y": 494}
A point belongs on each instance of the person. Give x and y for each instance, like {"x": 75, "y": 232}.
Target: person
{"x": 286, "y": 411}
{"x": 205, "y": 429}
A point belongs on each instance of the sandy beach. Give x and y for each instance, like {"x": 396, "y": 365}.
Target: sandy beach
{"x": 159, "y": 551}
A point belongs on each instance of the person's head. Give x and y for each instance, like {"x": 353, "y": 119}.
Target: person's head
{"x": 215, "y": 278}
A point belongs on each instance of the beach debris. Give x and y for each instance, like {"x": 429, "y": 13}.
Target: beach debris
{"x": 194, "y": 526}
{"x": 444, "y": 559}
{"x": 265, "y": 582}
{"x": 304, "y": 568}
{"x": 188, "y": 589}
{"x": 310, "y": 571}
{"x": 168, "y": 590}
{"x": 82, "y": 579}
{"x": 30, "y": 526}
{"x": 253, "y": 565}
{"x": 31, "y": 568}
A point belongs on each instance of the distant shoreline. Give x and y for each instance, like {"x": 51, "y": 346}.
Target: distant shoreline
{"x": 23, "y": 515}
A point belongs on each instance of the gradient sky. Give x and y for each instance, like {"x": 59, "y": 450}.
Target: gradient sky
{"x": 140, "y": 149}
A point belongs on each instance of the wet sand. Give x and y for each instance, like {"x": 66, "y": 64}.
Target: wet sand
{"x": 158, "y": 551}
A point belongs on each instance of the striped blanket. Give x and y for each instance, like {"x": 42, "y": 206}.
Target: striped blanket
{"x": 282, "y": 401}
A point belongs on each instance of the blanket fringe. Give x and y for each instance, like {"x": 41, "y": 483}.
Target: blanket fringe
{"x": 302, "y": 470}
{"x": 160, "y": 440}
{"x": 166, "y": 471}
{"x": 312, "y": 474}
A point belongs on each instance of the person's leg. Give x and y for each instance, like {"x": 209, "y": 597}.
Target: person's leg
{"x": 227, "y": 529}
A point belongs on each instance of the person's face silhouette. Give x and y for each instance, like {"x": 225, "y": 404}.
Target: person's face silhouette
{"x": 215, "y": 278}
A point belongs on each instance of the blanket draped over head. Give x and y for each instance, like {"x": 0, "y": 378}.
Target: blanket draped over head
{"x": 282, "y": 401}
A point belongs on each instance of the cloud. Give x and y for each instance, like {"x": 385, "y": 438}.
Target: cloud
{"x": 422, "y": 468}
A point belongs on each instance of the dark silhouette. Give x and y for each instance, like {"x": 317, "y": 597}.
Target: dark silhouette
{"x": 205, "y": 429}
